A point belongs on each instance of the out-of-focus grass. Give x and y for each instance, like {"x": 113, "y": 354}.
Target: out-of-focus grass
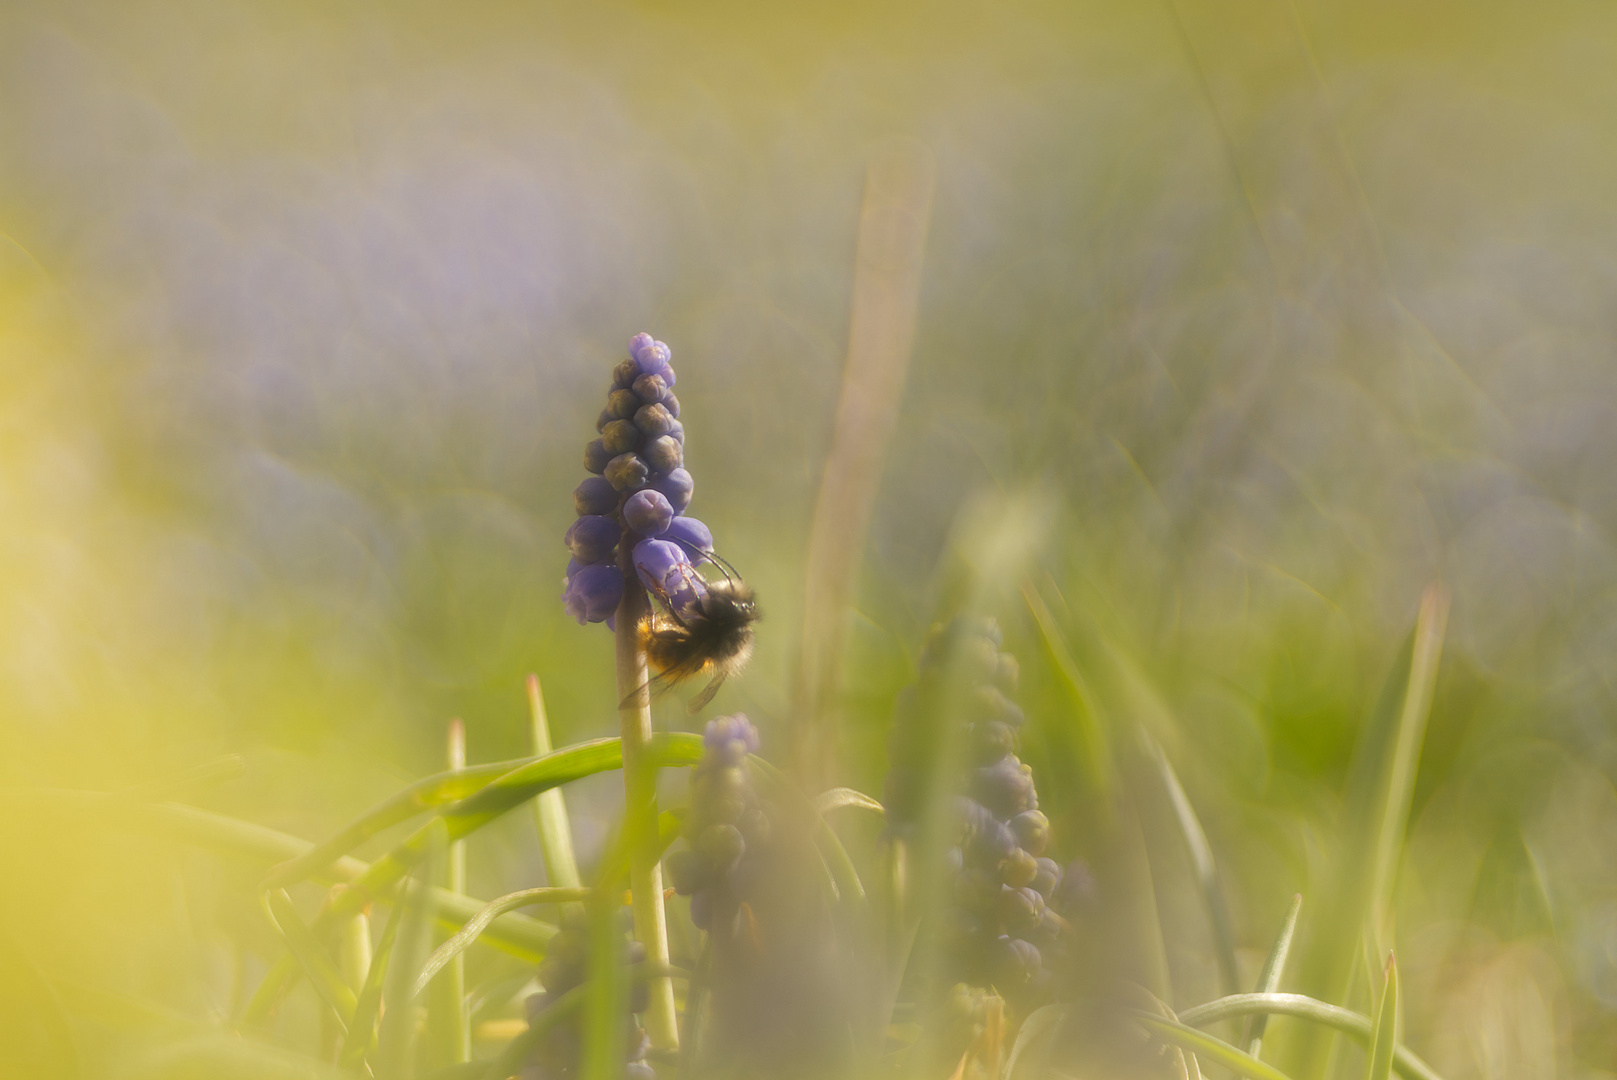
{"x": 1275, "y": 314}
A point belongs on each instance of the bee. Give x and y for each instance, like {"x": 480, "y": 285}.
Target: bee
{"x": 709, "y": 635}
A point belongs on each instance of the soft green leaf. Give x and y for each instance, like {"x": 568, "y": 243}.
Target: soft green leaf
{"x": 362, "y": 1032}
{"x": 1274, "y": 965}
{"x": 1346, "y": 1021}
{"x": 311, "y": 956}
{"x": 1384, "y": 1039}
{"x": 1040, "y": 1023}
{"x": 839, "y": 798}
{"x": 1201, "y": 858}
{"x": 491, "y": 911}
{"x": 1204, "y": 1045}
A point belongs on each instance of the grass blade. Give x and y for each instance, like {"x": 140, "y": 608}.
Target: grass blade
{"x": 1204, "y": 1045}
{"x": 362, "y": 1032}
{"x": 1384, "y": 1039}
{"x": 479, "y": 922}
{"x": 1201, "y": 858}
{"x": 425, "y": 794}
{"x": 1346, "y": 1021}
{"x": 1097, "y": 754}
{"x": 218, "y": 771}
{"x": 1379, "y": 795}
{"x": 395, "y": 1050}
{"x": 838, "y": 798}
{"x": 311, "y": 956}
{"x": 1273, "y": 966}
{"x": 1039, "y": 1023}
{"x": 550, "y": 808}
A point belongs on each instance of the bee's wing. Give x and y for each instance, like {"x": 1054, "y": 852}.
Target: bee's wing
{"x": 698, "y": 702}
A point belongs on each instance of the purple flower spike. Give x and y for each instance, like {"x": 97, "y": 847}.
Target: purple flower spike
{"x": 648, "y": 513}
{"x": 691, "y": 535}
{"x": 652, "y": 357}
{"x": 592, "y": 538}
{"x": 677, "y": 487}
{"x": 666, "y": 572}
{"x": 593, "y": 594}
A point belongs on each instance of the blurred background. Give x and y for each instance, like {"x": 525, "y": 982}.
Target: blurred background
{"x": 1258, "y": 318}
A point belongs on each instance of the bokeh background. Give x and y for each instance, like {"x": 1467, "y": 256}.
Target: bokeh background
{"x": 1265, "y": 316}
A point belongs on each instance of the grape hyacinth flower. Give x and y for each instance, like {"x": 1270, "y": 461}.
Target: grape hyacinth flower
{"x": 724, "y": 823}
{"x": 639, "y": 492}
{"x": 1002, "y": 928}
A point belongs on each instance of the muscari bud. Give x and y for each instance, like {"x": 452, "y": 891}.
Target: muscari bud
{"x": 688, "y": 871}
{"x": 627, "y": 472}
{"x": 665, "y": 454}
{"x": 665, "y": 571}
{"x": 1020, "y": 910}
{"x": 593, "y": 594}
{"x": 603, "y": 419}
{"x": 595, "y": 495}
{"x": 1018, "y": 869}
{"x": 729, "y": 739}
{"x": 650, "y": 390}
{"x": 653, "y": 421}
{"x": 676, "y": 487}
{"x": 592, "y": 537}
{"x": 721, "y": 844}
{"x": 1008, "y": 674}
{"x": 671, "y": 403}
{"x": 692, "y": 535}
{"x": 1032, "y": 831}
{"x": 1005, "y": 787}
{"x": 624, "y": 375}
{"x": 648, "y": 513}
{"x": 595, "y": 456}
{"x": 1048, "y": 879}
{"x": 621, "y": 404}
{"x": 991, "y": 741}
{"x": 676, "y": 431}
{"x": 619, "y": 437}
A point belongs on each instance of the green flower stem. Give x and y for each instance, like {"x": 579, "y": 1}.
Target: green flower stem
{"x": 640, "y": 809}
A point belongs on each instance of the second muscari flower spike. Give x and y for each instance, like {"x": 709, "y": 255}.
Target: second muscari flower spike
{"x": 1005, "y": 920}
{"x": 637, "y": 495}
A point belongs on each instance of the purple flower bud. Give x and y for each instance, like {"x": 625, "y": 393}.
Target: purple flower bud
{"x": 666, "y": 572}
{"x": 650, "y": 389}
{"x": 595, "y": 495}
{"x": 593, "y": 594}
{"x": 730, "y": 738}
{"x": 676, "y": 431}
{"x": 1032, "y": 831}
{"x": 664, "y": 455}
{"x": 653, "y": 420}
{"x": 621, "y": 404}
{"x": 671, "y": 403}
{"x": 592, "y": 537}
{"x": 596, "y": 457}
{"x": 691, "y": 535}
{"x": 604, "y": 419}
{"x": 620, "y": 437}
{"x": 648, "y": 512}
{"x": 1005, "y": 787}
{"x": 624, "y": 375}
{"x": 653, "y": 357}
{"x": 677, "y": 487}
{"x": 627, "y": 472}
